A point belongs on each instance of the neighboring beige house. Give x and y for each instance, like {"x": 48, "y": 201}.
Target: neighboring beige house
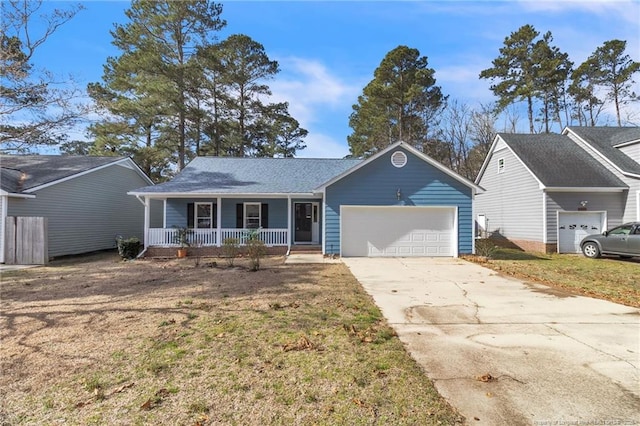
{"x": 545, "y": 192}
{"x": 84, "y": 199}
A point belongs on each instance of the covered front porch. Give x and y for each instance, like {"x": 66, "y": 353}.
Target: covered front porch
{"x": 210, "y": 221}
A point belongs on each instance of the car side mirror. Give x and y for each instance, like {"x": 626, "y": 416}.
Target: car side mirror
{"x": 605, "y": 233}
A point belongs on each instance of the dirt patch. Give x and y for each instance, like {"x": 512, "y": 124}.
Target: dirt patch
{"x": 97, "y": 340}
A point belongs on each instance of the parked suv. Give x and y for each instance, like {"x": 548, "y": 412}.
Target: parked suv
{"x": 623, "y": 240}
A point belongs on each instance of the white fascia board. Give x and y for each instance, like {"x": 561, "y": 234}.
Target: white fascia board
{"x": 16, "y": 195}
{"x": 600, "y": 154}
{"x": 622, "y": 145}
{"x": 583, "y": 189}
{"x": 164, "y": 195}
{"x": 412, "y": 150}
{"x": 131, "y": 164}
{"x": 485, "y": 164}
{"x": 540, "y": 184}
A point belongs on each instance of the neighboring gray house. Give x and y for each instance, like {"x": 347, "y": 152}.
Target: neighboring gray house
{"x": 398, "y": 202}
{"x": 84, "y": 199}
{"x": 545, "y": 192}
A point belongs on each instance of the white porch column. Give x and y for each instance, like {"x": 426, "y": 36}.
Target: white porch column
{"x": 147, "y": 207}
{"x": 289, "y": 232}
{"x": 219, "y": 220}
{"x": 3, "y": 225}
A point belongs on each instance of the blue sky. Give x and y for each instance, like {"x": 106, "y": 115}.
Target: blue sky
{"x": 328, "y": 51}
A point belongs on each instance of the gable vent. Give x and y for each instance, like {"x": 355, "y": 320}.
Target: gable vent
{"x": 398, "y": 159}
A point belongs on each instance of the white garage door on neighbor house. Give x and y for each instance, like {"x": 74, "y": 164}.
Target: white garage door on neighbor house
{"x": 398, "y": 231}
{"x": 574, "y": 226}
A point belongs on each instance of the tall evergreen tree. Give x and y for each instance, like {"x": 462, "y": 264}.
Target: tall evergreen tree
{"x": 154, "y": 72}
{"x": 614, "y": 70}
{"x": 513, "y": 74}
{"x": 400, "y": 103}
{"x": 586, "y": 105}
{"x": 552, "y": 71}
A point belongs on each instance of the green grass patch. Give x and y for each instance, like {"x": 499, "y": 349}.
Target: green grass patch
{"x": 606, "y": 278}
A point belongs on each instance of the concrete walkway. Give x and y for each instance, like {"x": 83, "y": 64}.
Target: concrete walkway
{"x": 309, "y": 258}
{"x": 504, "y": 352}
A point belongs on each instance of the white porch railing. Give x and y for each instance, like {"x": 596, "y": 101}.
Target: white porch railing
{"x": 166, "y": 237}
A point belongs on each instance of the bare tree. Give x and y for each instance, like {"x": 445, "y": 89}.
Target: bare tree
{"x": 36, "y": 106}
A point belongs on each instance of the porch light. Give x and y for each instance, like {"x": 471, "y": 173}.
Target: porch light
{"x": 398, "y": 194}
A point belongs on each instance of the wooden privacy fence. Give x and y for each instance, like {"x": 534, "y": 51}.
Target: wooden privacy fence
{"x": 26, "y": 241}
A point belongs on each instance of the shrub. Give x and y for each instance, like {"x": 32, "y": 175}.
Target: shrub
{"x": 230, "y": 249}
{"x": 255, "y": 250}
{"x": 128, "y": 248}
{"x": 485, "y": 247}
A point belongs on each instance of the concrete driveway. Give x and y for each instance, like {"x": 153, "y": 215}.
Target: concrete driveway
{"x": 504, "y": 352}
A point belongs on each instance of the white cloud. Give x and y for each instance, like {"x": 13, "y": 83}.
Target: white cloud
{"x": 323, "y": 146}
{"x": 462, "y": 82}
{"x": 621, "y": 8}
{"x": 310, "y": 87}
{"x": 319, "y": 100}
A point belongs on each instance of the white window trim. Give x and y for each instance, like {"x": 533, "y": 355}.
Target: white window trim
{"x": 244, "y": 215}
{"x": 638, "y": 205}
{"x": 501, "y": 163}
{"x": 195, "y": 215}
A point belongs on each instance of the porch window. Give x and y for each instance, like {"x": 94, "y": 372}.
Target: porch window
{"x": 252, "y": 215}
{"x": 204, "y": 215}
{"x": 201, "y": 215}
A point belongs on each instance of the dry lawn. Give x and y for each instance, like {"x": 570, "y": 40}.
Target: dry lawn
{"x": 96, "y": 340}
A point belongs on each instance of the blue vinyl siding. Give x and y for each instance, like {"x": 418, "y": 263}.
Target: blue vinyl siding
{"x": 277, "y": 211}
{"x": 377, "y": 183}
{"x": 177, "y": 210}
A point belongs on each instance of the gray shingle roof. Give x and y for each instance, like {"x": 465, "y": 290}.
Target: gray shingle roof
{"x": 604, "y": 140}
{"x": 229, "y": 175}
{"x": 19, "y": 173}
{"x": 558, "y": 162}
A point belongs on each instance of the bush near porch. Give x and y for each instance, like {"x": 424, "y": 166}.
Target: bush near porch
{"x": 608, "y": 278}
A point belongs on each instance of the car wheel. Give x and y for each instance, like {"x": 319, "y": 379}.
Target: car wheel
{"x": 591, "y": 250}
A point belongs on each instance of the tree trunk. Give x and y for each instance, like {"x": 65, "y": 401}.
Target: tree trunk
{"x": 530, "y": 113}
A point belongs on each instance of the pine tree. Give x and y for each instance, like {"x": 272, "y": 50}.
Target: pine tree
{"x": 614, "y": 70}
{"x": 587, "y": 106}
{"x": 552, "y": 71}
{"x": 151, "y": 82}
{"x": 400, "y": 103}
{"x": 513, "y": 74}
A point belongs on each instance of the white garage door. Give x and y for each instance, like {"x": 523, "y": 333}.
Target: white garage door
{"x": 368, "y": 231}
{"x": 574, "y": 226}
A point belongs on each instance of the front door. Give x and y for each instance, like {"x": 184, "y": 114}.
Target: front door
{"x": 303, "y": 222}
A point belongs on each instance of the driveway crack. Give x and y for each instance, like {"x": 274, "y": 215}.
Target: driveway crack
{"x": 476, "y": 307}
{"x": 590, "y": 346}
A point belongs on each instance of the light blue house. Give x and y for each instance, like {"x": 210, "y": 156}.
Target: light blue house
{"x": 398, "y": 202}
